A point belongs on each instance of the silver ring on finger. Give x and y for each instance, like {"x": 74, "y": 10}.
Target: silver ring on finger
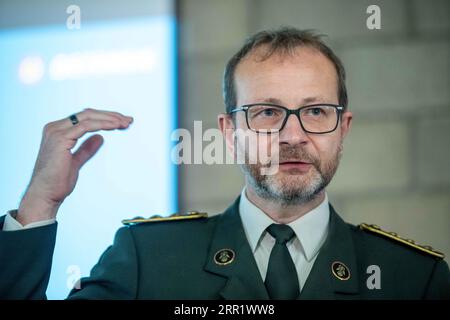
{"x": 73, "y": 118}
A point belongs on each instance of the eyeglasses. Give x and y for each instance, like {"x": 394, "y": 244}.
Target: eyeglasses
{"x": 315, "y": 118}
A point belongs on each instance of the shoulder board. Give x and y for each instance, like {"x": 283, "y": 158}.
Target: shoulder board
{"x": 172, "y": 217}
{"x": 408, "y": 242}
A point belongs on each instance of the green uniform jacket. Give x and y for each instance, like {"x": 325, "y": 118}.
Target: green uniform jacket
{"x": 176, "y": 260}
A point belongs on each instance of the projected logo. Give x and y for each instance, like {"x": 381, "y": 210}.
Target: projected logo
{"x": 31, "y": 69}
{"x": 79, "y": 65}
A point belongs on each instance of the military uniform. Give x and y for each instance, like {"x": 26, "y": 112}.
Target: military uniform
{"x": 193, "y": 257}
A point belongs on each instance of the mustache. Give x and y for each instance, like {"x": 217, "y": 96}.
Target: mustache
{"x": 295, "y": 153}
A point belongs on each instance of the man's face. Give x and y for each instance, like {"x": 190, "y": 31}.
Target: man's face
{"x": 307, "y": 162}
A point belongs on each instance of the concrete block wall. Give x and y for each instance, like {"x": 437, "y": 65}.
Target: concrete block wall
{"x": 395, "y": 170}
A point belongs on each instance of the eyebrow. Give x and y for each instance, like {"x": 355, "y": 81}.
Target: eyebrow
{"x": 304, "y": 101}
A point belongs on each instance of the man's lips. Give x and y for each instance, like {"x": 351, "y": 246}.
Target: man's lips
{"x": 293, "y": 161}
{"x": 295, "y": 164}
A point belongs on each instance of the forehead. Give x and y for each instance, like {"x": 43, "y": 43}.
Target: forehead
{"x": 289, "y": 77}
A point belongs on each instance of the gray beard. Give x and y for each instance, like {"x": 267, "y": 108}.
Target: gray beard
{"x": 290, "y": 194}
{"x": 286, "y": 197}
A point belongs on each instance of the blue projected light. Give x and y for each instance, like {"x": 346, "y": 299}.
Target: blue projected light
{"x": 49, "y": 73}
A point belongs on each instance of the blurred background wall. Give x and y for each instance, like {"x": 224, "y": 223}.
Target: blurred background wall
{"x": 395, "y": 171}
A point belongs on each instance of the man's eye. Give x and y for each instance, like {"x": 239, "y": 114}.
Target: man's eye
{"x": 315, "y": 111}
{"x": 268, "y": 112}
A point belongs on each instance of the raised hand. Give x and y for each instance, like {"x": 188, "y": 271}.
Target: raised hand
{"x": 57, "y": 167}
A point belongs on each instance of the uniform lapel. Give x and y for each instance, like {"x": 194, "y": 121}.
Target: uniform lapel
{"x": 243, "y": 277}
{"x": 339, "y": 248}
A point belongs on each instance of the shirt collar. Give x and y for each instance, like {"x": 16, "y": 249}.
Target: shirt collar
{"x": 311, "y": 229}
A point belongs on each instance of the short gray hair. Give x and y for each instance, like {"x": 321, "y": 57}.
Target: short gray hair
{"x": 282, "y": 40}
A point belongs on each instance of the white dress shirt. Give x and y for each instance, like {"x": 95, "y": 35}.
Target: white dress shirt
{"x": 11, "y": 224}
{"x": 310, "y": 233}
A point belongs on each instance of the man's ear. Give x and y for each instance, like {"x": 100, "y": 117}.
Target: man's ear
{"x": 346, "y": 123}
{"x": 226, "y": 125}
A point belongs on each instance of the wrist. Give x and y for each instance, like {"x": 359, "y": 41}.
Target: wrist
{"x": 34, "y": 209}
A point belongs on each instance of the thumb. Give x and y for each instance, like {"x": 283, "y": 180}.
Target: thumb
{"x": 88, "y": 149}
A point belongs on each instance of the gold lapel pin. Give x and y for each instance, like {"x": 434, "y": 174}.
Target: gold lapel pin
{"x": 340, "y": 270}
{"x": 224, "y": 257}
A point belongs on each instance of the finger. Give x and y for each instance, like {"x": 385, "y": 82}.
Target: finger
{"x": 81, "y": 128}
{"x": 92, "y": 114}
{"x": 88, "y": 149}
{"x": 113, "y": 113}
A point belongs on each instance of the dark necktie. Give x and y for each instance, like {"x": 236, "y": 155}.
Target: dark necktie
{"x": 281, "y": 278}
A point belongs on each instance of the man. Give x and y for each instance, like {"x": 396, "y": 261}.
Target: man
{"x": 280, "y": 239}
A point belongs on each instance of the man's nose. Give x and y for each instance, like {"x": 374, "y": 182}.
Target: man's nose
{"x": 293, "y": 132}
